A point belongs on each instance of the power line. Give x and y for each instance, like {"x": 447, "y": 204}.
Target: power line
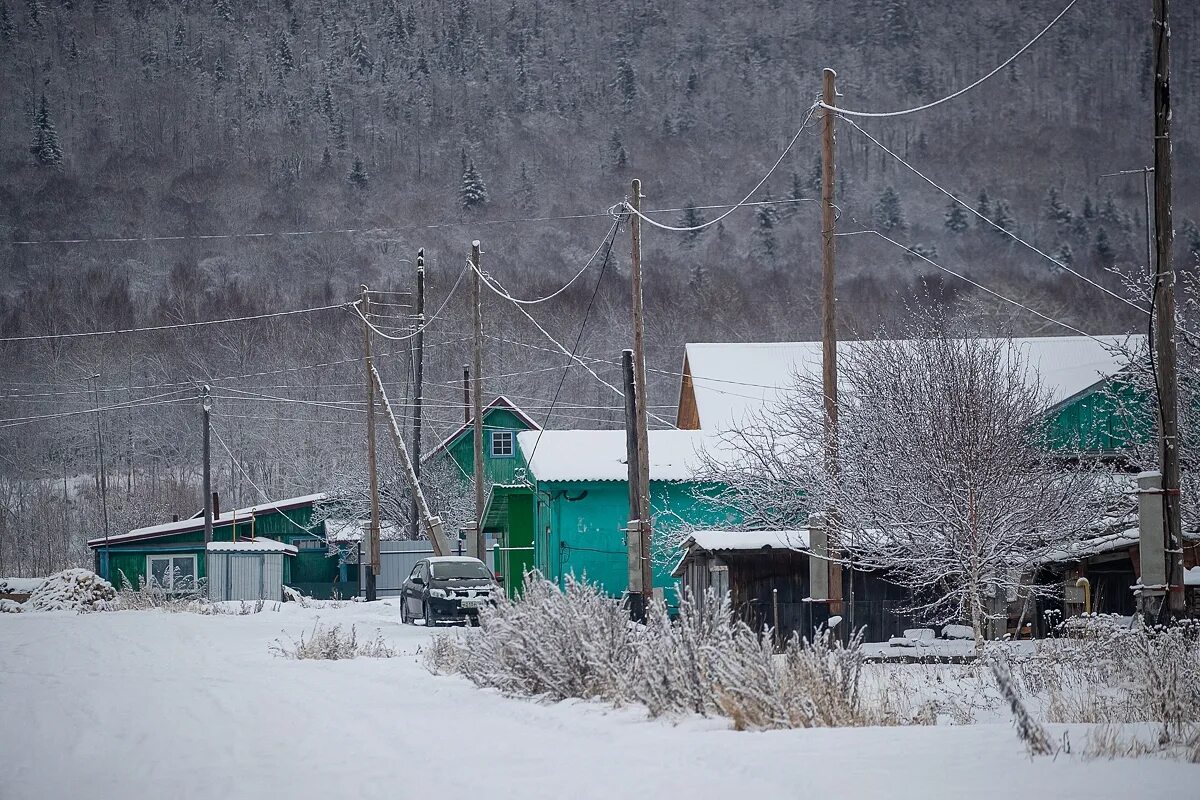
{"x": 745, "y": 200}
{"x": 423, "y": 326}
{"x": 976, "y": 284}
{"x": 579, "y": 337}
{"x": 964, "y": 90}
{"x": 995, "y": 225}
{"x": 171, "y": 327}
{"x": 141, "y": 403}
{"x": 351, "y": 231}
{"x": 607, "y": 239}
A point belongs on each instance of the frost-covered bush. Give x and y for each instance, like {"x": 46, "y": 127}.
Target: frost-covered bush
{"x": 579, "y": 643}
{"x": 149, "y": 594}
{"x": 558, "y": 644}
{"x": 73, "y": 590}
{"x": 333, "y": 643}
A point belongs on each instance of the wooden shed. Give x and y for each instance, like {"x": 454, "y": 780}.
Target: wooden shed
{"x": 764, "y": 572}
{"x": 247, "y": 570}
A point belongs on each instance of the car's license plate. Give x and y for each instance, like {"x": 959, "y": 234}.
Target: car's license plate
{"x": 471, "y": 602}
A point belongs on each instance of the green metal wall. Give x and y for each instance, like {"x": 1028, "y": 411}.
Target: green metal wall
{"x": 1104, "y": 420}
{"x": 581, "y": 528}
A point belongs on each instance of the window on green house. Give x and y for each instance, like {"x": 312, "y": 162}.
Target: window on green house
{"x": 173, "y": 573}
{"x": 309, "y": 544}
{"x": 502, "y": 444}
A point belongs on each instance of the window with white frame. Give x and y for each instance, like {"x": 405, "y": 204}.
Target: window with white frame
{"x": 502, "y": 444}
{"x": 173, "y": 573}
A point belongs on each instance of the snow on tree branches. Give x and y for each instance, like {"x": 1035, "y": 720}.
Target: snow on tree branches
{"x": 944, "y": 482}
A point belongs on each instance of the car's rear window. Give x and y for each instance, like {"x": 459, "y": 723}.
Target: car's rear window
{"x": 459, "y": 569}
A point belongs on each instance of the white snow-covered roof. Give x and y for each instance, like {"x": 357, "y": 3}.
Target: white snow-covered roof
{"x": 749, "y": 540}
{"x": 590, "y": 455}
{"x": 256, "y": 545}
{"x": 740, "y": 541}
{"x": 732, "y": 381}
{"x": 197, "y": 523}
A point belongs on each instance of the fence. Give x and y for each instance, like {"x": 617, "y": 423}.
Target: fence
{"x": 397, "y": 557}
{"x": 879, "y": 619}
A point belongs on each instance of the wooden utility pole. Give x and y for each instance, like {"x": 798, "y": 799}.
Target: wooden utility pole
{"x": 418, "y": 389}
{"x": 1164, "y": 308}
{"x": 205, "y": 411}
{"x": 633, "y": 529}
{"x": 829, "y": 323}
{"x": 639, "y": 394}
{"x": 373, "y": 476}
{"x": 480, "y": 549}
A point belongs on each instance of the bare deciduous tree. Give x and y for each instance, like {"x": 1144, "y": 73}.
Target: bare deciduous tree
{"x": 945, "y": 482}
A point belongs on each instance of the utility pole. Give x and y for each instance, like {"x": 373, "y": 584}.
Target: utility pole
{"x": 1164, "y": 309}
{"x": 418, "y": 391}
{"x": 206, "y": 412}
{"x": 639, "y": 395}
{"x": 373, "y": 476}
{"x": 633, "y": 529}
{"x": 103, "y": 476}
{"x": 829, "y": 327}
{"x": 477, "y": 398}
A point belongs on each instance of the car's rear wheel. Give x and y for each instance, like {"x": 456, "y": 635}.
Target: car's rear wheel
{"x": 430, "y": 619}
{"x": 405, "y": 619}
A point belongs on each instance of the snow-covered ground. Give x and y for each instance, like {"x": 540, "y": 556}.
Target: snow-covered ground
{"x": 154, "y": 704}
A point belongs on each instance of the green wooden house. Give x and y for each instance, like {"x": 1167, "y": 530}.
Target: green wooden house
{"x": 175, "y": 550}
{"x": 570, "y": 503}
{"x": 503, "y": 469}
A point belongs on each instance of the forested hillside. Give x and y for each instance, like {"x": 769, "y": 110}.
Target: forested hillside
{"x": 429, "y": 124}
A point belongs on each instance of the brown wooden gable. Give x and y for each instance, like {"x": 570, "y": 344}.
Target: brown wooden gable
{"x": 688, "y": 417}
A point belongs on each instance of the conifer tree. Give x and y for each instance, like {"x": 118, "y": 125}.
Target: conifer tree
{"x": 1003, "y": 216}
{"x": 1089, "y": 210}
{"x": 692, "y": 217}
{"x": 1064, "y": 254}
{"x": 223, "y": 10}
{"x": 768, "y": 217}
{"x": 626, "y": 84}
{"x": 984, "y": 204}
{"x": 1055, "y": 210}
{"x": 358, "y": 175}
{"x": 473, "y": 192}
{"x": 1104, "y": 249}
{"x": 956, "y": 218}
{"x": 45, "y": 147}
{"x": 616, "y": 150}
{"x": 1189, "y": 235}
{"x": 888, "y": 214}
{"x": 360, "y": 56}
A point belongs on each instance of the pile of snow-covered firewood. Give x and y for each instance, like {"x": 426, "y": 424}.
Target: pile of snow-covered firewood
{"x": 73, "y": 590}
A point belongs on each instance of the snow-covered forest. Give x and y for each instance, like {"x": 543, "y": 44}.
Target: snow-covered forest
{"x": 423, "y": 124}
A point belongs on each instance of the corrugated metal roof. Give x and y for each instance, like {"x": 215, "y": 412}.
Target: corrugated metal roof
{"x": 733, "y": 381}
{"x": 257, "y": 545}
{"x": 197, "y": 523}
{"x": 587, "y": 455}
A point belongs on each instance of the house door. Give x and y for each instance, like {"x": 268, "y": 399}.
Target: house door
{"x": 245, "y": 577}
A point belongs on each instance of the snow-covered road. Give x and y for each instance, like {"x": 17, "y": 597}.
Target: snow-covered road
{"x": 151, "y": 704}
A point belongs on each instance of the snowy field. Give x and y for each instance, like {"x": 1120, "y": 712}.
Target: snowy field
{"x": 141, "y": 704}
